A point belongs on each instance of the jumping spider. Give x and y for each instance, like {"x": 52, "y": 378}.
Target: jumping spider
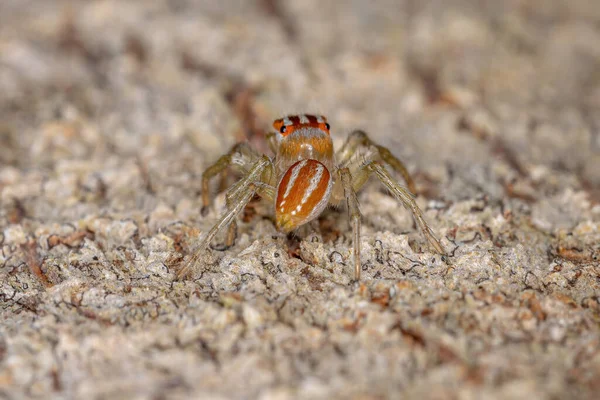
{"x": 303, "y": 178}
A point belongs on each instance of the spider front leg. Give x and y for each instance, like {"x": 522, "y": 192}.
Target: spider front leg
{"x": 355, "y": 216}
{"x": 235, "y": 194}
{"x": 241, "y": 156}
{"x": 271, "y": 138}
{"x": 401, "y": 194}
{"x": 360, "y": 140}
{"x": 257, "y": 180}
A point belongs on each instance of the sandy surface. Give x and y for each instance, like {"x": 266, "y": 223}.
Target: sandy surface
{"x": 110, "y": 110}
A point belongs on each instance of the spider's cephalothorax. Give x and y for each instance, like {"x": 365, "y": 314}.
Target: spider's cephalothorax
{"x": 302, "y": 137}
{"x": 303, "y": 177}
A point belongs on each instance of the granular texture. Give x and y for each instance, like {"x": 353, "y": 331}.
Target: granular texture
{"x": 110, "y": 111}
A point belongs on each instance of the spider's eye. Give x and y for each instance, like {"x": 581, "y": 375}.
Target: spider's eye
{"x": 282, "y": 129}
{"x": 327, "y": 125}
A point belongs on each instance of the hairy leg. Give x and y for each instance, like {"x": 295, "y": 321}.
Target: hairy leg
{"x": 272, "y": 141}
{"x": 265, "y": 190}
{"x": 406, "y": 198}
{"x": 238, "y": 198}
{"x": 241, "y": 156}
{"x": 355, "y": 216}
{"x": 360, "y": 140}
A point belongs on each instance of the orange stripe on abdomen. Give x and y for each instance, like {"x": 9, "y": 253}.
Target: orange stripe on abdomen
{"x": 302, "y": 194}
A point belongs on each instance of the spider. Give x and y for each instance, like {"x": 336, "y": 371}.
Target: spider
{"x": 303, "y": 177}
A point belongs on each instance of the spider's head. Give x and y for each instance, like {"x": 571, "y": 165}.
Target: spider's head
{"x": 302, "y": 194}
{"x": 301, "y": 137}
{"x": 290, "y": 124}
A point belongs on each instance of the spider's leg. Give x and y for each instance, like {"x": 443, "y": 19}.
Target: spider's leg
{"x": 397, "y": 165}
{"x": 239, "y": 197}
{"x": 360, "y": 140}
{"x": 241, "y": 155}
{"x": 356, "y": 140}
{"x": 403, "y": 195}
{"x": 355, "y": 216}
{"x": 272, "y": 141}
{"x": 258, "y": 177}
{"x": 265, "y": 190}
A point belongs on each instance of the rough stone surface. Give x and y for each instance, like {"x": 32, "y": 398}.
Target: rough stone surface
{"x": 110, "y": 110}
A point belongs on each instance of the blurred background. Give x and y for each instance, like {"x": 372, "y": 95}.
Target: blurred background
{"x": 110, "y": 111}
{"x": 448, "y": 85}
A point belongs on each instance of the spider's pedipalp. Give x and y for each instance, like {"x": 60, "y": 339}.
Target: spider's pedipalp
{"x": 273, "y": 141}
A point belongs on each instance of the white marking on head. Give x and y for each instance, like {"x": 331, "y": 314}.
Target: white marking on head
{"x": 294, "y": 212}
{"x": 287, "y": 121}
{"x": 309, "y": 132}
{"x": 320, "y": 119}
{"x": 303, "y": 119}
{"x": 295, "y": 173}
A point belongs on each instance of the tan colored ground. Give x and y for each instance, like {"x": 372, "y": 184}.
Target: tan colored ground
{"x": 110, "y": 110}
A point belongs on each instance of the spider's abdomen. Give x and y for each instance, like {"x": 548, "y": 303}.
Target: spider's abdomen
{"x": 302, "y": 194}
